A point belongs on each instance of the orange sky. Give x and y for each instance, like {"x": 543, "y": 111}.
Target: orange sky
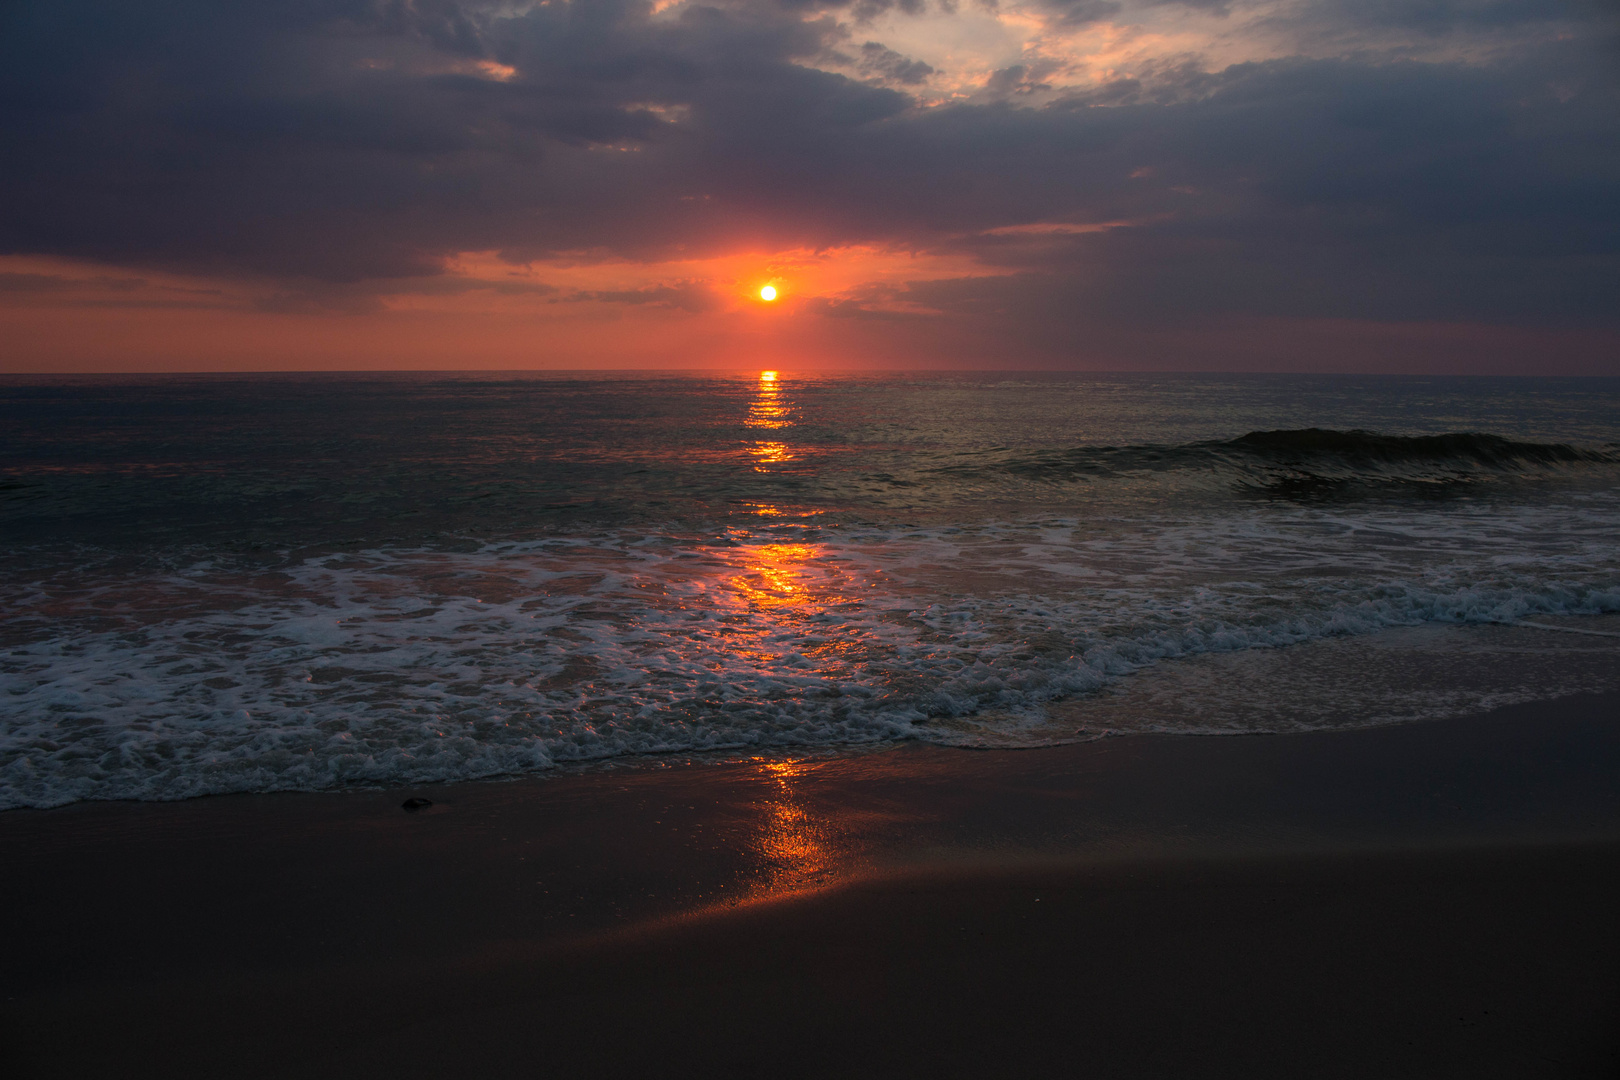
{"x": 578, "y": 312}
{"x": 486, "y": 314}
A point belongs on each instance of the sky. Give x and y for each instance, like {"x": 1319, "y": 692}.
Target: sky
{"x": 1234, "y": 185}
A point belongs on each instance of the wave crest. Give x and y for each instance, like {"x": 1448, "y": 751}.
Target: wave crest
{"x": 1307, "y": 463}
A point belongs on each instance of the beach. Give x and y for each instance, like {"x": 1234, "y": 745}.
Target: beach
{"x": 821, "y": 539}
{"x": 1430, "y": 899}
{"x": 769, "y": 723}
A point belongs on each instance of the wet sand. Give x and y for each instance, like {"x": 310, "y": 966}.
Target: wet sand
{"x": 1429, "y": 900}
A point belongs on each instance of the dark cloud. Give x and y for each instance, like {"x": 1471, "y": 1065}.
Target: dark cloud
{"x": 53, "y": 283}
{"x": 367, "y": 297}
{"x": 352, "y": 141}
{"x": 1018, "y": 79}
{"x": 693, "y": 296}
{"x": 875, "y": 302}
{"x": 1080, "y": 12}
{"x": 102, "y": 291}
{"x": 1444, "y": 16}
{"x": 880, "y": 61}
{"x": 1326, "y": 189}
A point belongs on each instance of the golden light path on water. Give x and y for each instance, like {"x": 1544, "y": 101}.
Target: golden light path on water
{"x": 795, "y": 848}
{"x": 768, "y": 411}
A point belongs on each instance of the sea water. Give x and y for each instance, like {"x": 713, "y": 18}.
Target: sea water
{"x": 253, "y": 583}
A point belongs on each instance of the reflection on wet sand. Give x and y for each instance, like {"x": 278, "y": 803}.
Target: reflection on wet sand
{"x": 796, "y": 849}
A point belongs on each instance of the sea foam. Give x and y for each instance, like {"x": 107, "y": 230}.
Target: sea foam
{"x": 409, "y": 665}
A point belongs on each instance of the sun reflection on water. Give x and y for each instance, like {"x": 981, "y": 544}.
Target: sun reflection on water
{"x": 769, "y": 453}
{"x": 789, "y": 581}
{"x": 775, "y": 575}
{"x": 770, "y": 412}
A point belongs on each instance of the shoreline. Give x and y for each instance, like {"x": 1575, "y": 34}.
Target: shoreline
{"x": 299, "y": 925}
{"x": 1397, "y": 676}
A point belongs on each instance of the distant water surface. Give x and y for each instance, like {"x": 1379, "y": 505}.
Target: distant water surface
{"x": 214, "y": 584}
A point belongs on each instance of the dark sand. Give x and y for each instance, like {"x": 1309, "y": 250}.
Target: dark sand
{"x": 1423, "y": 901}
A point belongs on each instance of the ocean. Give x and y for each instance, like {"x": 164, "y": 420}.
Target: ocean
{"x": 302, "y": 582}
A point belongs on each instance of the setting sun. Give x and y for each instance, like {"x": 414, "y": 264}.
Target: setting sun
{"x": 768, "y": 293}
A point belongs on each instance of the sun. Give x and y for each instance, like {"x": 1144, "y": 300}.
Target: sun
{"x": 768, "y": 293}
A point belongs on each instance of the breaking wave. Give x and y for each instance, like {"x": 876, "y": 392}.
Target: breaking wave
{"x": 1307, "y": 463}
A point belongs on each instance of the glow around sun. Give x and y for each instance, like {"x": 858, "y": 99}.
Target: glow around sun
{"x": 768, "y": 293}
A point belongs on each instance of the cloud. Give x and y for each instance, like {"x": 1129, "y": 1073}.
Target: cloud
{"x": 39, "y": 285}
{"x": 1444, "y": 16}
{"x": 344, "y": 149}
{"x": 1080, "y": 12}
{"x": 692, "y": 296}
{"x": 12, "y": 282}
{"x": 884, "y": 64}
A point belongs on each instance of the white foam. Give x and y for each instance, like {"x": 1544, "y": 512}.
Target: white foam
{"x": 407, "y": 666}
